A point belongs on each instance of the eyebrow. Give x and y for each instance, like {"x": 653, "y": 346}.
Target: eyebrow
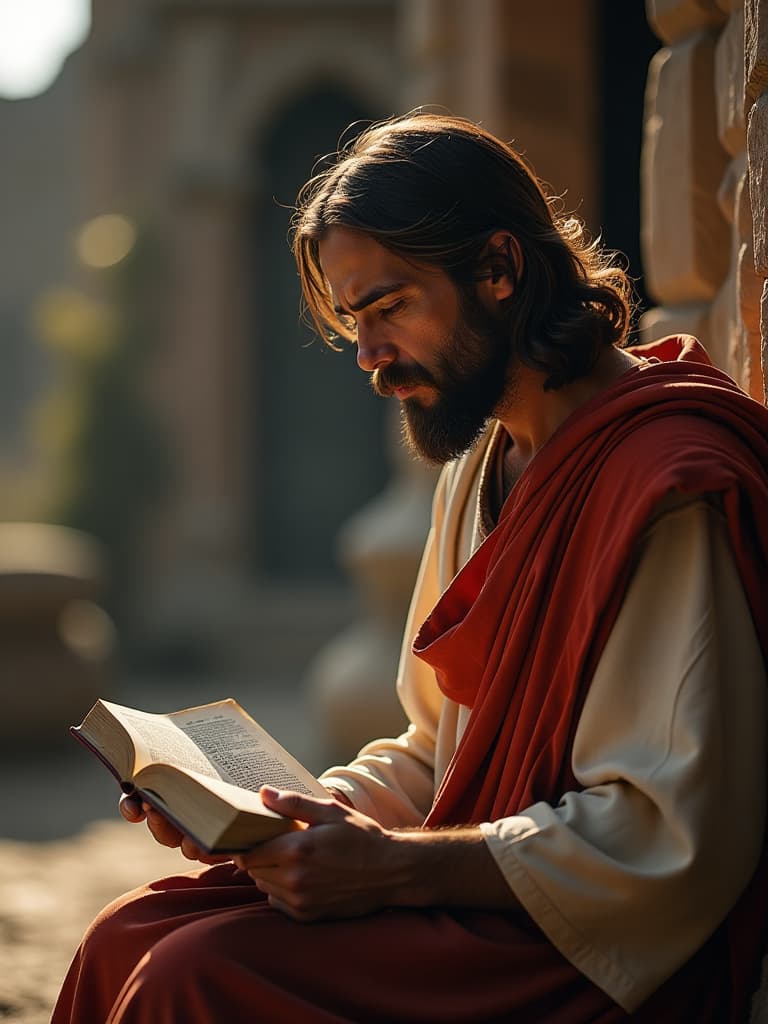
{"x": 379, "y": 292}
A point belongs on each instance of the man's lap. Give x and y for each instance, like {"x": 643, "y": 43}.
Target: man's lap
{"x": 209, "y": 940}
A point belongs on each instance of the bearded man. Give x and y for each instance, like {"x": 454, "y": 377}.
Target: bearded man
{"x": 572, "y": 827}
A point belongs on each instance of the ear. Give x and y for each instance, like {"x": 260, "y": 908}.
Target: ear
{"x": 504, "y": 259}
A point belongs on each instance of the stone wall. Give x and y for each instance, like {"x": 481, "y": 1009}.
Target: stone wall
{"x": 704, "y": 183}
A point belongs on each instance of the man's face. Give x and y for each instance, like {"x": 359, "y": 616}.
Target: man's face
{"x": 469, "y": 380}
{"x": 439, "y": 351}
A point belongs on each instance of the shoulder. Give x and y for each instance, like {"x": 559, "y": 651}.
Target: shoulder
{"x": 679, "y": 449}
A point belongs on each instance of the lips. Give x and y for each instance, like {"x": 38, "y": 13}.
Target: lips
{"x": 399, "y": 382}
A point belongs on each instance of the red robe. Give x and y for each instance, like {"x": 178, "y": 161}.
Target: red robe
{"x": 518, "y": 634}
{"x": 516, "y": 637}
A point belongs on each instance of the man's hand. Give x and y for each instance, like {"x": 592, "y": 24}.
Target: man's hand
{"x": 344, "y": 864}
{"x": 132, "y": 809}
{"x": 341, "y": 864}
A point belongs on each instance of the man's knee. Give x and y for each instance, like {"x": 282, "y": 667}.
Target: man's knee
{"x": 106, "y": 930}
{"x": 184, "y": 976}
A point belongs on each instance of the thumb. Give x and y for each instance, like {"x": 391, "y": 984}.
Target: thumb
{"x": 302, "y": 808}
{"x": 130, "y": 807}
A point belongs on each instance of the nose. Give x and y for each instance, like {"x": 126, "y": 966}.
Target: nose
{"x": 373, "y": 352}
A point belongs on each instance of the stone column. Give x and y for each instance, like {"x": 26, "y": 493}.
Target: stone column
{"x": 525, "y": 71}
{"x": 196, "y": 548}
{"x": 195, "y": 567}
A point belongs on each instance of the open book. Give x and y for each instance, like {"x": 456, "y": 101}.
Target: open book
{"x": 201, "y": 767}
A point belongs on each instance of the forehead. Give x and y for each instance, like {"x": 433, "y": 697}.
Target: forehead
{"x": 353, "y": 263}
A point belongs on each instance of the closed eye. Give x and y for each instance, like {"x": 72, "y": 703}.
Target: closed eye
{"x": 392, "y": 309}
{"x": 349, "y": 323}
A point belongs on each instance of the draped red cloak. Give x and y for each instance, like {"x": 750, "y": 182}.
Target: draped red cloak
{"x": 516, "y": 638}
{"x": 519, "y": 632}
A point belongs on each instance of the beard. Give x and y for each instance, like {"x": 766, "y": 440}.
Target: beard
{"x": 472, "y": 375}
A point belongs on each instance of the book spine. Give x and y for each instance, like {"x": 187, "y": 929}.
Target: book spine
{"x": 125, "y": 784}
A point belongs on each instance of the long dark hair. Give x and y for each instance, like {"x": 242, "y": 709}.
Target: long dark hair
{"x": 434, "y": 189}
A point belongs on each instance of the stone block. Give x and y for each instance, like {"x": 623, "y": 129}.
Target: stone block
{"x": 684, "y": 319}
{"x": 729, "y": 84}
{"x": 684, "y": 236}
{"x": 725, "y": 330}
{"x": 742, "y": 207}
{"x": 749, "y": 293}
{"x": 755, "y": 48}
{"x": 757, "y": 156}
{"x": 726, "y": 193}
{"x": 735, "y": 313}
{"x": 672, "y": 20}
{"x": 727, "y": 335}
{"x": 749, "y": 286}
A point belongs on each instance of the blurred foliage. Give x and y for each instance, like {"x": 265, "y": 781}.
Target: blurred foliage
{"x": 110, "y": 462}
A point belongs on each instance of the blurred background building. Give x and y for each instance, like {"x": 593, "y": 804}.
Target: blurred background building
{"x": 159, "y": 394}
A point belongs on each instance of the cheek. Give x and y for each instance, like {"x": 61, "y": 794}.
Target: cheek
{"x": 426, "y": 339}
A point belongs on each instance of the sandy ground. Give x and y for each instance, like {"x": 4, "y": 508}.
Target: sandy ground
{"x": 49, "y": 891}
{"x": 65, "y": 852}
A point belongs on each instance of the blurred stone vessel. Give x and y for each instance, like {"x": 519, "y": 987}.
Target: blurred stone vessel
{"x": 56, "y": 642}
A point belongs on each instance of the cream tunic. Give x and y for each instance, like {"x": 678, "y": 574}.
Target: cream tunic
{"x": 628, "y": 877}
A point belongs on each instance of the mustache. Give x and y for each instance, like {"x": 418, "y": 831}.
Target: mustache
{"x": 386, "y": 381}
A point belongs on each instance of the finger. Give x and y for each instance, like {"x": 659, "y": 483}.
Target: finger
{"x": 188, "y": 848}
{"x": 259, "y": 858}
{"x": 214, "y": 858}
{"x": 191, "y": 850}
{"x": 276, "y": 892}
{"x": 309, "y": 809}
{"x": 130, "y": 808}
{"x": 163, "y": 831}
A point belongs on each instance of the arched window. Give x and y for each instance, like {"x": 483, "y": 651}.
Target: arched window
{"x": 318, "y": 432}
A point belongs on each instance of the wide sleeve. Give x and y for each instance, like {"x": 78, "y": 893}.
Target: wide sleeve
{"x": 630, "y": 876}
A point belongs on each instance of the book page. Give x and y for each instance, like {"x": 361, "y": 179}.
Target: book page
{"x": 241, "y": 751}
{"x": 167, "y": 744}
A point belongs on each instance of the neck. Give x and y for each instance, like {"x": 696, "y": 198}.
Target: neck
{"x": 530, "y": 415}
